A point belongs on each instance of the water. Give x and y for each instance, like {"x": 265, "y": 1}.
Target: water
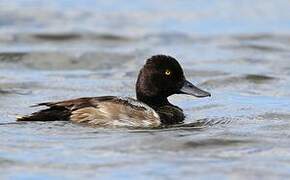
{"x": 59, "y": 49}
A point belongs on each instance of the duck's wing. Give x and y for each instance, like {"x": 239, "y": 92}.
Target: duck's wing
{"x": 98, "y": 111}
{"x": 77, "y": 103}
{"x": 117, "y": 112}
{"x": 61, "y": 110}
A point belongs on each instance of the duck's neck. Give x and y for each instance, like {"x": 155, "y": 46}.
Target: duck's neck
{"x": 153, "y": 101}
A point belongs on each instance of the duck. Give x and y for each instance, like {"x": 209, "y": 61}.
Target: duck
{"x": 160, "y": 77}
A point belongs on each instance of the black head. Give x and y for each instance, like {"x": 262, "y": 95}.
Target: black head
{"x": 161, "y": 77}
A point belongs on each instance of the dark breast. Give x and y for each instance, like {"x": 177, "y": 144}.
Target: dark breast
{"x": 170, "y": 114}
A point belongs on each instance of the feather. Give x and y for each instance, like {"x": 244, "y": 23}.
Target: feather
{"x": 98, "y": 111}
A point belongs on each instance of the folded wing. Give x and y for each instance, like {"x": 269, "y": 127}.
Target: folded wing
{"x": 98, "y": 111}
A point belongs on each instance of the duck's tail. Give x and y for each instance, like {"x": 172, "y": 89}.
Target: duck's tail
{"x": 50, "y": 114}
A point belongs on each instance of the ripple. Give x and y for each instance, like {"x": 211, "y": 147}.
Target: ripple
{"x": 65, "y": 61}
{"x": 207, "y": 143}
{"x": 69, "y": 36}
{"x": 255, "y": 37}
{"x": 13, "y": 91}
{"x": 208, "y": 122}
{"x": 257, "y": 78}
{"x": 17, "y": 87}
{"x": 7, "y": 162}
{"x": 169, "y": 37}
{"x": 239, "y": 80}
{"x": 57, "y": 37}
{"x": 111, "y": 37}
{"x": 274, "y": 116}
{"x": 257, "y": 47}
{"x": 204, "y": 73}
{"x": 11, "y": 57}
{"x": 198, "y": 125}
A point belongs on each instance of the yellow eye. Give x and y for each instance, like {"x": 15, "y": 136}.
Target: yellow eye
{"x": 167, "y": 72}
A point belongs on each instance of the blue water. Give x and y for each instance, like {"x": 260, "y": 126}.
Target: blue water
{"x": 60, "y": 49}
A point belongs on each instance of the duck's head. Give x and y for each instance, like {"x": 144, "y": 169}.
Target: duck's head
{"x": 161, "y": 77}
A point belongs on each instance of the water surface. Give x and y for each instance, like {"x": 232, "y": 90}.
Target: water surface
{"x": 62, "y": 49}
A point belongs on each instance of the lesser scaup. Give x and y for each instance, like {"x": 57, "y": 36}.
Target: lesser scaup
{"x": 160, "y": 77}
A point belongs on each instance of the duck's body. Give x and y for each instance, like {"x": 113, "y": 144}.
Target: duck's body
{"x": 161, "y": 77}
{"x": 107, "y": 111}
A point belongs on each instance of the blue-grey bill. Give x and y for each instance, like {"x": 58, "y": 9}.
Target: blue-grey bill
{"x": 190, "y": 89}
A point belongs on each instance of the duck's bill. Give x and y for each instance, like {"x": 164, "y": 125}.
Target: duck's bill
{"x": 190, "y": 89}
